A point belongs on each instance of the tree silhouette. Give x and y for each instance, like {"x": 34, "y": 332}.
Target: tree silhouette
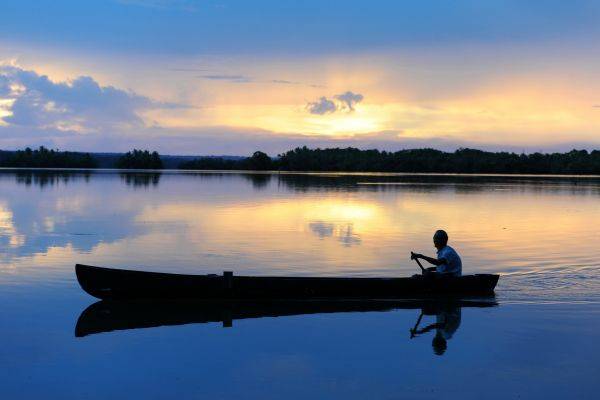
{"x": 139, "y": 159}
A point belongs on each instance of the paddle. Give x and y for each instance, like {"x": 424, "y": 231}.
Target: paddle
{"x": 413, "y": 331}
{"x": 412, "y": 256}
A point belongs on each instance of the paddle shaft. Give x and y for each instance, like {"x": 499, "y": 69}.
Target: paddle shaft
{"x": 413, "y": 331}
{"x": 420, "y": 266}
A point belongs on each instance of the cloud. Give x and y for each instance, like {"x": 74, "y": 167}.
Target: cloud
{"x": 233, "y": 78}
{"x": 183, "y": 69}
{"x": 340, "y": 102}
{"x": 349, "y": 99}
{"x": 322, "y": 106}
{"x": 80, "y": 105}
{"x": 183, "y": 5}
{"x": 285, "y": 82}
{"x": 228, "y": 78}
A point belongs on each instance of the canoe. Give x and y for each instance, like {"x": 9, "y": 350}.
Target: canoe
{"x": 110, "y": 315}
{"x": 108, "y": 283}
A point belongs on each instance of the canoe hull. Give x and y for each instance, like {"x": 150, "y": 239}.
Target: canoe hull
{"x": 107, "y": 283}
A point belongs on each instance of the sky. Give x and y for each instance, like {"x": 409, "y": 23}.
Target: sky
{"x": 232, "y": 77}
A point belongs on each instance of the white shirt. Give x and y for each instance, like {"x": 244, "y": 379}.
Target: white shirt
{"x": 453, "y": 263}
{"x": 449, "y": 320}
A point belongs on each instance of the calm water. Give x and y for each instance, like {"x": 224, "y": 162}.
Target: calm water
{"x": 538, "y": 340}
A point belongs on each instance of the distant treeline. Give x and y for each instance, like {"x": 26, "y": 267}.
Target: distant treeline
{"x": 139, "y": 159}
{"x": 258, "y": 162}
{"x": 419, "y": 160}
{"x": 337, "y": 159}
{"x": 45, "y": 158}
{"x": 48, "y": 158}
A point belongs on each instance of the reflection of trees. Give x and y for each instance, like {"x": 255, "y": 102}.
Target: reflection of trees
{"x": 141, "y": 179}
{"x": 433, "y": 183}
{"x": 49, "y": 178}
{"x": 54, "y": 177}
{"x": 259, "y": 181}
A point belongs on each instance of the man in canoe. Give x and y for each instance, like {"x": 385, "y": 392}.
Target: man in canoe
{"x": 447, "y": 261}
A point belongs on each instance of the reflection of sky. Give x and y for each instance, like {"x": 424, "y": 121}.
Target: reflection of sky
{"x": 35, "y": 219}
{"x": 540, "y": 343}
{"x": 304, "y": 225}
{"x": 544, "y": 351}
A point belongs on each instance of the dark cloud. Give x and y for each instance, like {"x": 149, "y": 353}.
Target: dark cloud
{"x": 322, "y": 106}
{"x": 340, "y": 102}
{"x": 188, "y": 69}
{"x": 81, "y": 104}
{"x": 235, "y": 78}
{"x": 285, "y": 82}
{"x": 184, "y": 5}
{"x": 349, "y": 99}
{"x": 229, "y": 78}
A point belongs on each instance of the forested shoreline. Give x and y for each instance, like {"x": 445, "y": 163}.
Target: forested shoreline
{"x": 577, "y": 162}
{"x": 411, "y": 161}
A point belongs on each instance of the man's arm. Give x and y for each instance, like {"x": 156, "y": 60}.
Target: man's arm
{"x": 437, "y": 325}
{"x": 430, "y": 260}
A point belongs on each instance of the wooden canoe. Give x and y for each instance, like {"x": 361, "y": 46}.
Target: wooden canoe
{"x": 108, "y": 283}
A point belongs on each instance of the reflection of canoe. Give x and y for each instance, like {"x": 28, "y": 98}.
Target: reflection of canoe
{"x": 106, "y": 283}
{"x": 110, "y": 315}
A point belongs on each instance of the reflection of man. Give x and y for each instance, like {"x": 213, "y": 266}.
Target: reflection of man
{"x": 447, "y": 321}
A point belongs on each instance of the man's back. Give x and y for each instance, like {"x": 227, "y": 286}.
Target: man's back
{"x": 453, "y": 262}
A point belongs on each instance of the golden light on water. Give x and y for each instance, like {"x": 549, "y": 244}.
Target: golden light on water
{"x": 278, "y": 231}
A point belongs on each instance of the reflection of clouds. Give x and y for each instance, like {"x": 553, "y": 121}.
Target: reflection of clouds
{"x": 78, "y": 216}
{"x": 322, "y": 229}
{"x": 348, "y": 237}
{"x": 204, "y": 222}
{"x": 8, "y": 234}
{"x": 343, "y": 232}
{"x": 275, "y": 234}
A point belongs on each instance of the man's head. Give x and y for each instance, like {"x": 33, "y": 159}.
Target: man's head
{"x": 440, "y": 239}
{"x": 439, "y": 345}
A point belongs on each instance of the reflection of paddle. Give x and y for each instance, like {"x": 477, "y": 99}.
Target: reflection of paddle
{"x": 412, "y": 256}
{"x": 413, "y": 331}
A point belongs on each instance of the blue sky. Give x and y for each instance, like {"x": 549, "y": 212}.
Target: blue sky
{"x": 288, "y": 27}
{"x": 213, "y": 76}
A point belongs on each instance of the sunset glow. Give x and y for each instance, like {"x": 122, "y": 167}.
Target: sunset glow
{"x": 244, "y": 91}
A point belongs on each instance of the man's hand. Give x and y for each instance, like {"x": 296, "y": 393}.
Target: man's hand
{"x": 430, "y": 260}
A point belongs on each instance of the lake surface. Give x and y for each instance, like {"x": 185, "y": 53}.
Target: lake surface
{"x": 537, "y": 339}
